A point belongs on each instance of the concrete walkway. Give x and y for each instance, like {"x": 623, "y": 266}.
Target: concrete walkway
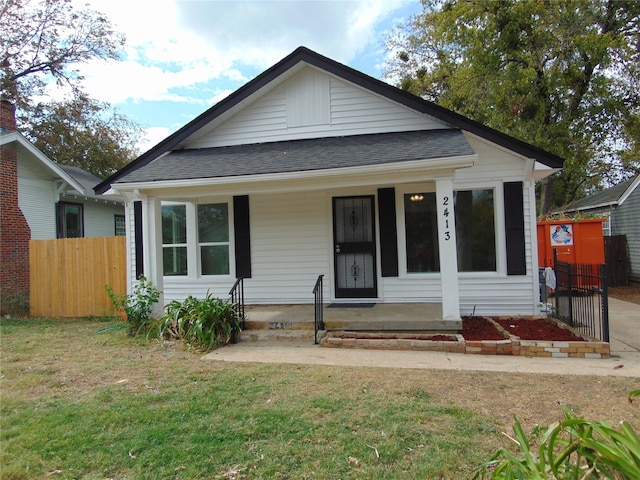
{"x": 624, "y": 362}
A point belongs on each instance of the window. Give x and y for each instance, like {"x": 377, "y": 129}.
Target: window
{"x": 213, "y": 238}
{"x": 475, "y": 231}
{"x": 174, "y": 239}
{"x": 119, "y": 226}
{"x": 606, "y": 225}
{"x": 69, "y": 220}
{"x": 421, "y": 224}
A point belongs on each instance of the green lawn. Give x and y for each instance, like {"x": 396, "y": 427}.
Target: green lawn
{"x": 83, "y": 400}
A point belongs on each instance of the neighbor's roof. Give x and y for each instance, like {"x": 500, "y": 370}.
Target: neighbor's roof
{"x": 55, "y": 169}
{"x": 304, "y": 55}
{"x": 607, "y": 198}
{"x": 303, "y": 155}
{"x": 87, "y": 181}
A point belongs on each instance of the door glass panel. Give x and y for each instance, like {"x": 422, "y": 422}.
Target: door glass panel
{"x": 355, "y": 270}
{"x": 353, "y": 220}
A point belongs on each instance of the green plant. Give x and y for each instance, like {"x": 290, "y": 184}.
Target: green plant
{"x": 202, "y": 323}
{"x": 573, "y": 448}
{"x": 14, "y": 304}
{"x": 136, "y": 308}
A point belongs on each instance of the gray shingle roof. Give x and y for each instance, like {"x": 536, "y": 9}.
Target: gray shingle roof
{"x": 84, "y": 178}
{"x": 303, "y": 155}
{"x": 609, "y": 196}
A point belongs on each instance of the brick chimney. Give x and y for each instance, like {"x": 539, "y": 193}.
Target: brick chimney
{"x": 14, "y": 229}
{"x": 7, "y": 116}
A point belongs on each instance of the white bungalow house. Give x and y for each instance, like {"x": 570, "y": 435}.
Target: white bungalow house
{"x": 313, "y": 168}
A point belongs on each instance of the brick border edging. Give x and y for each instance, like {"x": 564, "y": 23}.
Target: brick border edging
{"x": 511, "y": 345}
{"x": 587, "y": 348}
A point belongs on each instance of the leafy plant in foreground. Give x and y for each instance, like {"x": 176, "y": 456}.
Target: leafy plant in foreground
{"x": 136, "y": 308}
{"x": 573, "y": 448}
{"x": 202, "y": 323}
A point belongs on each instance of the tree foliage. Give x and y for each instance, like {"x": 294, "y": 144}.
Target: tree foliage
{"x": 560, "y": 75}
{"x": 45, "y": 41}
{"x": 83, "y": 133}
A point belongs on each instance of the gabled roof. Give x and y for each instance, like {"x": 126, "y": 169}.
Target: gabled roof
{"x": 303, "y": 55}
{"x": 54, "y": 168}
{"x": 608, "y": 198}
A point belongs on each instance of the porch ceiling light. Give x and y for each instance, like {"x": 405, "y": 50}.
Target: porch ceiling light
{"x": 416, "y": 197}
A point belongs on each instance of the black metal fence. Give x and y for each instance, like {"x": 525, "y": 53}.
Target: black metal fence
{"x": 581, "y": 298}
{"x": 318, "y": 323}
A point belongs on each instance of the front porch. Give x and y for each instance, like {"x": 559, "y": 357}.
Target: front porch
{"x": 296, "y": 322}
{"x": 396, "y": 326}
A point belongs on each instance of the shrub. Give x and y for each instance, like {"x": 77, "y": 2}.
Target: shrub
{"x": 14, "y": 304}
{"x": 202, "y": 323}
{"x": 136, "y": 308}
{"x": 573, "y": 448}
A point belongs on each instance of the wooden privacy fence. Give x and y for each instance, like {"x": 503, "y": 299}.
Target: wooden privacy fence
{"x": 68, "y": 276}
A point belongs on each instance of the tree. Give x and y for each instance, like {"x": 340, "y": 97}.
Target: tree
{"x": 83, "y": 133}
{"x": 44, "y": 41}
{"x": 47, "y": 39}
{"x": 560, "y": 75}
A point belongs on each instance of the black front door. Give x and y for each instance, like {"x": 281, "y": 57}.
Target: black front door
{"x": 354, "y": 247}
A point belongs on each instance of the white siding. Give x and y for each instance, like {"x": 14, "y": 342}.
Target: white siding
{"x": 99, "y": 218}
{"x": 625, "y": 220}
{"x": 290, "y": 245}
{"x": 36, "y": 198}
{"x": 352, "y": 110}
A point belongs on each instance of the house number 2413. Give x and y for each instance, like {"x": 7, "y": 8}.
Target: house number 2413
{"x": 445, "y": 212}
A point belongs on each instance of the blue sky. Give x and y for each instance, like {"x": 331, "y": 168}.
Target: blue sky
{"x": 182, "y": 56}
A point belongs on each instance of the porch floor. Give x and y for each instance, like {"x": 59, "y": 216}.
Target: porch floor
{"x": 296, "y": 322}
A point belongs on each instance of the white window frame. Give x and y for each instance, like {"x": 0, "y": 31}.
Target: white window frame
{"x": 194, "y": 269}
{"x": 214, "y": 244}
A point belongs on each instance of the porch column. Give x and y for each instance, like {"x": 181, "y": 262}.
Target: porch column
{"x": 152, "y": 234}
{"x": 448, "y": 251}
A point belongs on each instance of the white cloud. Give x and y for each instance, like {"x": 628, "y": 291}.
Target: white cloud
{"x": 153, "y": 136}
{"x": 180, "y": 44}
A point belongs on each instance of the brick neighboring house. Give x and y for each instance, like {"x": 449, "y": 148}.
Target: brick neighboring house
{"x": 14, "y": 229}
{"x": 43, "y": 200}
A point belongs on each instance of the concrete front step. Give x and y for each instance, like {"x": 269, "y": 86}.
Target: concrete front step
{"x": 265, "y": 335}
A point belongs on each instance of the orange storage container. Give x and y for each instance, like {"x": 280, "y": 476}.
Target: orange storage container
{"x": 579, "y": 241}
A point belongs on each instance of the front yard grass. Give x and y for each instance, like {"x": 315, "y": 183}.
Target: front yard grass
{"x": 80, "y": 399}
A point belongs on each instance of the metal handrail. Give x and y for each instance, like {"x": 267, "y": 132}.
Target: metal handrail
{"x": 237, "y": 300}
{"x": 318, "y": 323}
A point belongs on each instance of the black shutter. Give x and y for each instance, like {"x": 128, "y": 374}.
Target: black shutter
{"x": 137, "y": 229}
{"x": 388, "y": 232}
{"x": 514, "y": 227}
{"x": 242, "y": 236}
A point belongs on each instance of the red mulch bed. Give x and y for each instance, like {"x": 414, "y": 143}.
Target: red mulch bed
{"x": 478, "y": 328}
{"x": 537, "y": 329}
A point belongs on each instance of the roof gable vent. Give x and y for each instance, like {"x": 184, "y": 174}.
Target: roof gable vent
{"x": 308, "y": 99}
